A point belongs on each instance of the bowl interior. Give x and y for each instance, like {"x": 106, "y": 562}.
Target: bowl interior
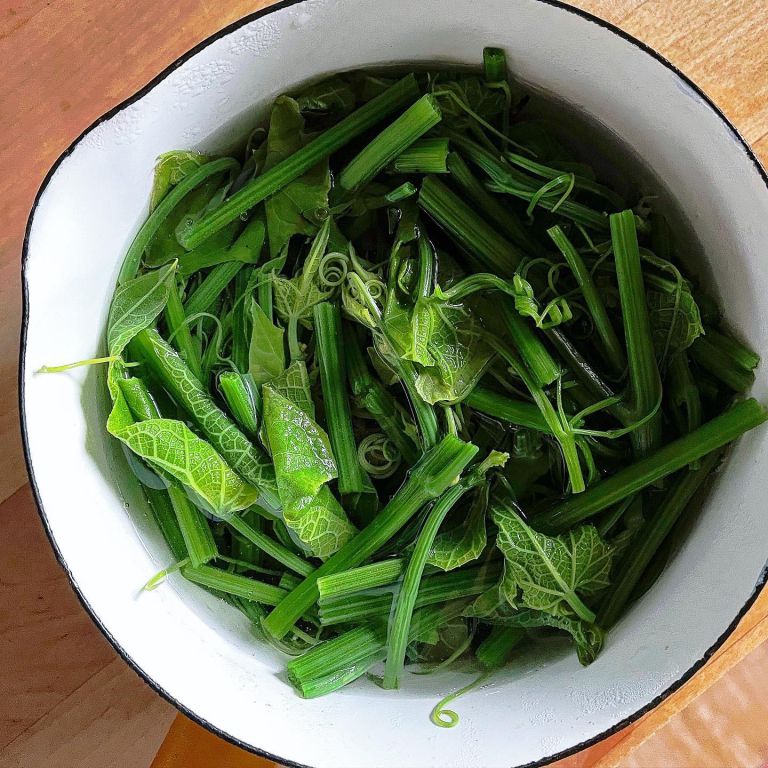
{"x": 201, "y": 653}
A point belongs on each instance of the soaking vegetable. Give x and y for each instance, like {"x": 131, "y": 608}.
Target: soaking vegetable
{"x": 409, "y": 386}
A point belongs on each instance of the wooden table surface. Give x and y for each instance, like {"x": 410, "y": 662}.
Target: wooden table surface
{"x": 67, "y": 700}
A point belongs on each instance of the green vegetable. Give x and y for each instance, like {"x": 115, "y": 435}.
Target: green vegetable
{"x": 304, "y": 465}
{"x": 448, "y": 275}
{"x": 551, "y": 573}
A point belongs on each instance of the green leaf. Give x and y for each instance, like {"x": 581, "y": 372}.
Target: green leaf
{"x": 589, "y": 638}
{"x": 295, "y": 297}
{"x": 674, "y": 316}
{"x": 172, "y": 447}
{"x": 464, "y": 542}
{"x": 266, "y": 353}
{"x": 549, "y": 571}
{"x": 120, "y": 415}
{"x": 136, "y": 304}
{"x": 170, "y": 169}
{"x": 459, "y": 352}
{"x": 330, "y": 96}
{"x": 293, "y": 384}
{"x": 299, "y": 207}
{"x": 304, "y": 464}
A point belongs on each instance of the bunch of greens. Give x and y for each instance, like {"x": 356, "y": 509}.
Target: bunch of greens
{"x": 409, "y": 383}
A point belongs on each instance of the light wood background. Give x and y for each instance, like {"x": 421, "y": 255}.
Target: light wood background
{"x": 65, "y": 698}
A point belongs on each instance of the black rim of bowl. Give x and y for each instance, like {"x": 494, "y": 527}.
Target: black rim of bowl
{"x": 22, "y": 365}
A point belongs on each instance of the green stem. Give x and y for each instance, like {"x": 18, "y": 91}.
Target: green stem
{"x": 298, "y": 163}
{"x": 373, "y": 396}
{"x": 179, "y": 332}
{"x": 358, "y": 579}
{"x": 437, "y": 470}
{"x": 543, "y": 367}
{"x": 233, "y": 584}
{"x": 505, "y": 408}
{"x": 400, "y": 623}
{"x": 721, "y": 365}
{"x": 165, "y": 517}
{"x": 714, "y": 434}
{"x": 214, "y": 284}
{"x": 650, "y": 537}
{"x": 329, "y": 354}
{"x": 148, "y": 229}
{"x": 194, "y": 528}
{"x": 441, "y": 588}
{"x": 424, "y": 156}
{"x": 243, "y": 399}
{"x": 644, "y": 378}
{"x": 494, "y": 651}
{"x": 504, "y": 218}
{"x": 399, "y": 135}
{"x": 612, "y": 348}
{"x": 477, "y": 237}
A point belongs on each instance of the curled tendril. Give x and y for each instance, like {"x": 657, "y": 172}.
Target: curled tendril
{"x": 333, "y": 269}
{"x": 161, "y": 576}
{"x": 378, "y": 455}
{"x": 447, "y": 718}
{"x": 567, "y": 180}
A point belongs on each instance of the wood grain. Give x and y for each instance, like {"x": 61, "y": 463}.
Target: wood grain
{"x": 67, "y": 701}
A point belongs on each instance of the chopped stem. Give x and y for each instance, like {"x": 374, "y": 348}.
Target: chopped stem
{"x": 179, "y": 332}
{"x": 214, "y": 284}
{"x": 293, "y": 166}
{"x": 721, "y": 365}
{"x": 663, "y": 462}
{"x": 148, "y": 229}
{"x": 424, "y": 156}
{"x": 505, "y": 408}
{"x": 243, "y": 399}
{"x": 438, "y": 469}
{"x": 612, "y": 348}
{"x": 330, "y": 357}
{"x": 477, "y": 237}
{"x": 644, "y": 379}
{"x": 233, "y": 584}
{"x": 357, "y": 579}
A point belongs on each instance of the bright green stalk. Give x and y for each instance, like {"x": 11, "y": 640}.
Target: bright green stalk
{"x": 399, "y": 135}
{"x": 740, "y": 354}
{"x": 714, "y": 359}
{"x": 244, "y": 456}
{"x": 424, "y": 156}
{"x": 612, "y": 348}
{"x": 269, "y": 546}
{"x": 476, "y": 236}
{"x": 412, "y": 587}
{"x": 165, "y": 517}
{"x": 358, "y": 579}
{"x": 243, "y": 399}
{"x": 330, "y": 357}
{"x": 661, "y": 463}
{"x": 644, "y": 379}
{"x": 332, "y": 664}
{"x": 684, "y": 394}
{"x": 167, "y": 204}
{"x": 494, "y": 65}
{"x": 233, "y": 584}
{"x": 214, "y": 284}
{"x": 439, "y": 588}
{"x": 394, "y": 98}
{"x": 179, "y": 331}
{"x": 494, "y": 651}
{"x": 194, "y": 528}
{"x": 505, "y": 408}
{"x": 438, "y": 469}
{"x": 504, "y": 218}
{"x": 543, "y": 367}
{"x": 564, "y": 437}
{"x": 650, "y": 537}
{"x": 509, "y": 180}
{"x": 373, "y": 396}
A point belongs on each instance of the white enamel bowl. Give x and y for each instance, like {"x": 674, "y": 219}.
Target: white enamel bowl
{"x": 196, "y": 651}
